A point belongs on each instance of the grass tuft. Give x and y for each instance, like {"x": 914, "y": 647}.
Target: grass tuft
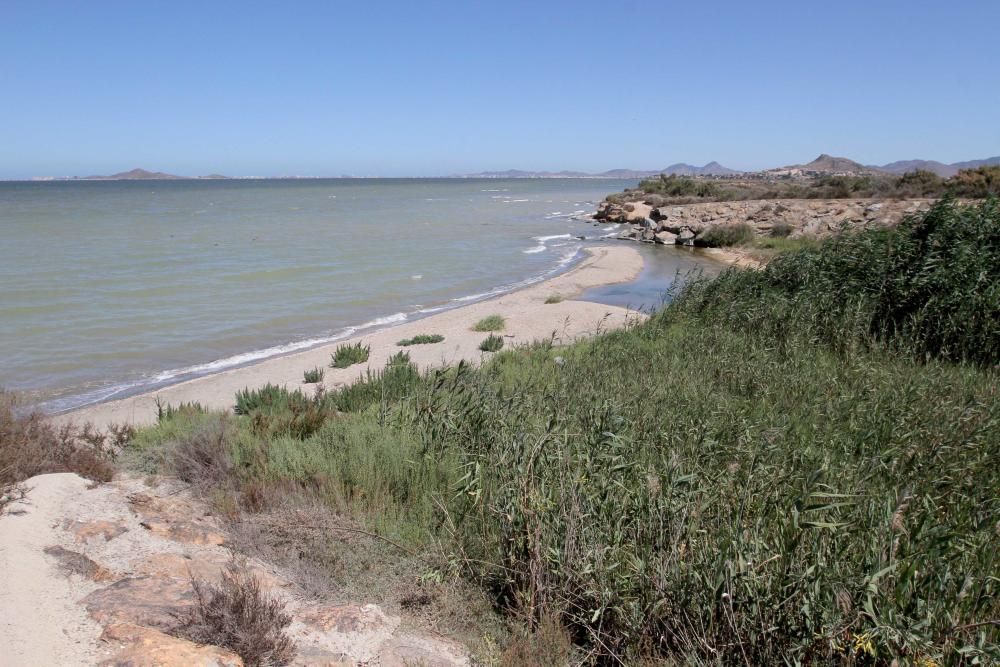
{"x": 421, "y": 339}
{"x": 553, "y": 298}
{"x": 313, "y": 375}
{"x": 490, "y": 323}
{"x": 492, "y": 343}
{"x": 348, "y": 355}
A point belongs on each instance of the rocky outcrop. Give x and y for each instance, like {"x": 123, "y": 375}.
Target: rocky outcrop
{"x": 686, "y": 224}
{"x": 123, "y": 557}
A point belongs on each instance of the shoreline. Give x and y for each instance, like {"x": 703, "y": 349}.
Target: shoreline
{"x": 528, "y": 317}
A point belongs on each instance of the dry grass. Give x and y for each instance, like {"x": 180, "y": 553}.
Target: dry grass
{"x": 30, "y": 445}
{"x": 239, "y": 616}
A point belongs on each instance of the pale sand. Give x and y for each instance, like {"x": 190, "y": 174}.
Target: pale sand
{"x": 528, "y": 317}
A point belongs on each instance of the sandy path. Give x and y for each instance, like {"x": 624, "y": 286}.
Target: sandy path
{"x": 529, "y": 318}
{"x": 41, "y": 622}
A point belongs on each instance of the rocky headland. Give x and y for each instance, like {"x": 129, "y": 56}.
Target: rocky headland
{"x": 690, "y": 224}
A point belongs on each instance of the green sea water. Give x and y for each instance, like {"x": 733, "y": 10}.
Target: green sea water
{"x": 110, "y": 288}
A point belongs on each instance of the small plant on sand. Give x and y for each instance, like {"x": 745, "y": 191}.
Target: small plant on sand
{"x": 239, "y": 616}
{"x": 554, "y": 298}
{"x": 313, "y": 375}
{"x": 421, "y": 339}
{"x": 492, "y": 344}
{"x": 490, "y": 323}
{"x": 348, "y": 355}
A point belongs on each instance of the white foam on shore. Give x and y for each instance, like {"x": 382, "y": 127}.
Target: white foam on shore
{"x": 543, "y": 239}
{"x": 536, "y": 249}
{"x": 172, "y": 376}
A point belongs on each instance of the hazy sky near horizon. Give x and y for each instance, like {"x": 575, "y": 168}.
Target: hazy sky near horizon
{"x": 412, "y": 89}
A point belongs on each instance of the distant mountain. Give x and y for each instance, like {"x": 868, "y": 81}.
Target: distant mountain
{"x": 904, "y": 166}
{"x": 834, "y": 165}
{"x": 680, "y": 169}
{"x": 939, "y": 168}
{"x": 710, "y": 169}
{"x": 135, "y": 175}
{"x": 972, "y": 164}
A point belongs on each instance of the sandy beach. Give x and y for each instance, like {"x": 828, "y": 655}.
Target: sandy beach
{"x": 528, "y": 318}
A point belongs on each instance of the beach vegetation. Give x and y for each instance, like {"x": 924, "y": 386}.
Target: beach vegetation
{"x": 491, "y": 343}
{"x": 722, "y": 236}
{"x": 421, "y": 339}
{"x": 793, "y": 465}
{"x": 313, "y": 375}
{"x": 239, "y": 615}
{"x": 31, "y": 445}
{"x": 662, "y": 190}
{"x": 553, "y": 298}
{"x": 349, "y": 354}
{"x": 490, "y": 323}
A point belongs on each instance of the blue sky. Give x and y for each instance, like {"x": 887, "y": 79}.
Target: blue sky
{"x": 407, "y": 88}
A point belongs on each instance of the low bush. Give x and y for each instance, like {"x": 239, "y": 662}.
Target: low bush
{"x": 780, "y": 230}
{"x": 30, "y": 445}
{"x": 492, "y": 343}
{"x": 348, "y": 355}
{"x": 236, "y": 614}
{"x": 421, "y": 339}
{"x": 313, "y": 375}
{"x": 553, "y": 298}
{"x": 721, "y": 236}
{"x": 490, "y": 323}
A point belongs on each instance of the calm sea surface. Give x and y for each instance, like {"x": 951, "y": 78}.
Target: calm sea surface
{"x": 110, "y": 288}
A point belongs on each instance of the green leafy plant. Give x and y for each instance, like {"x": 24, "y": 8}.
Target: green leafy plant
{"x": 313, "y": 375}
{"x": 421, "y": 339}
{"x": 553, "y": 298}
{"x": 349, "y": 354}
{"x": 492, "y": 343}
{"x": 490, "y": 323}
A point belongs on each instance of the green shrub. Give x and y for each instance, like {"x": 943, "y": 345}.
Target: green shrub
{"x": 313, "y": 375}
{"x": 348, "y": 355}
{"x": 553, "y": 298}
{"x": 490, "y": 323}
{"x": 421, "y": 339}
{"x": 397, "y": 381}
{"x": 976, "y": 183}
{"x": 720, "y": 236}
{"x": 492, "y": 343}
{"x": 780, "y": 230}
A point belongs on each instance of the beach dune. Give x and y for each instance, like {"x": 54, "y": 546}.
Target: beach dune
{"x": 528, "y": 318}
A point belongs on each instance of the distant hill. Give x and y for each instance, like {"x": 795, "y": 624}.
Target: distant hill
{"x": 904, "y": 166}
{"x": 941, "y": 169}
{"x": 834, "y": 165}
{"x": 972, "y": 164}
{"x": 135, "y": 175}
{"x": 680, "y": 169}
{"x": 710, "y": 169}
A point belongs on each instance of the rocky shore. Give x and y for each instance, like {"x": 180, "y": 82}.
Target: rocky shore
{"x": 688, "y": 224}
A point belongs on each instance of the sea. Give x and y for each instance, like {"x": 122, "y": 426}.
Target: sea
{"x": 111, "y": 288}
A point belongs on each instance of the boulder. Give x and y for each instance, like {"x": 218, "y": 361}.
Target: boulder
{"x": 686, "y": 237}
{"x": 145, "y": 647}
{"x": 666, "y": 238}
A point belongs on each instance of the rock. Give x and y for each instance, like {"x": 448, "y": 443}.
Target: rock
{"x": 348, "y": 618}
{"x": 184, "y": 531}
{"x": 648, "y": 236}
{"x": 686, "y": 236}
{"x": 145, "y": 647}
{"x": 666, "y": 238}
{"x": 637, "y": 212}
{"x": 873, "y": 208}
{"x": 72, "y": 562}
{"x": 151, "y": 601}
{"x": 84, "y": 531}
